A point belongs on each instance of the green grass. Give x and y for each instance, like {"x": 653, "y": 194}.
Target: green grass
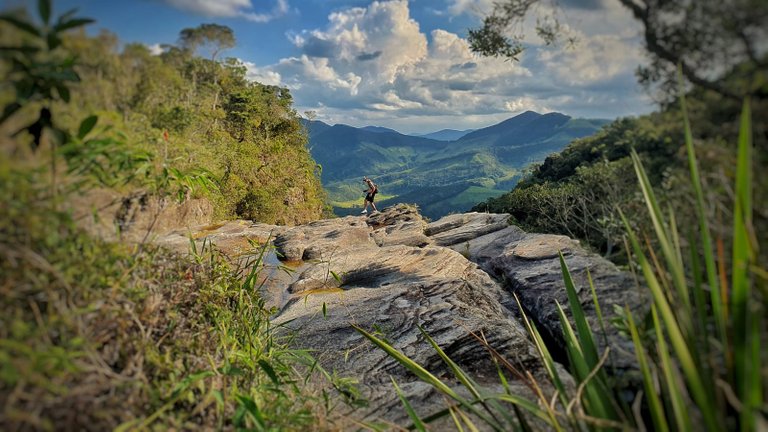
{"x": 141, "y": 337}
{"x": 101, "y": 336}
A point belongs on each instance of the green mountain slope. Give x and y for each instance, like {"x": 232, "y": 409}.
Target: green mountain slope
{"x": 439, "y": 176}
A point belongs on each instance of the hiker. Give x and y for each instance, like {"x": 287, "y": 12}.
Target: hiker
{"x": 370, "y": 193}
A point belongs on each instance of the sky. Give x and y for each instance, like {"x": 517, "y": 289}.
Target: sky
{"x": 403, "y": 64}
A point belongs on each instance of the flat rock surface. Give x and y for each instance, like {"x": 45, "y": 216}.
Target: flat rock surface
{"x": 391, "y": 273}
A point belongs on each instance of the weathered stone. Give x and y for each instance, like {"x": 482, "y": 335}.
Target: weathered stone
{"x": 543, "y": 246}
{"x": 324, "y": 239}
{"x": 457, "y": 228}
{"x": 530, "y": 267}
{"x": 232, "y": 237}
{"x": 388, "y": 274}
{"x": 392, "y": 289}
{"x": 136, "y": 217}
{"x": 402, "y": 289}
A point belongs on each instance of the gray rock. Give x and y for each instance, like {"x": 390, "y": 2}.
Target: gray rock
{"x": 390, "y": 285}
{"x": 457, "y": 228}
{"x": 232, "y": 237}
{"x": 529, "y": 266}
{"x": 390, "y": 273}
{"x": 398, "y": 290}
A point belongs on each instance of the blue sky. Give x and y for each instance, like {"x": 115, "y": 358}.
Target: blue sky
{"x": 402, "y": 64}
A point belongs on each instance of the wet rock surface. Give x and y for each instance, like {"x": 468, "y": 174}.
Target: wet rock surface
{"x": 392, "y": 273}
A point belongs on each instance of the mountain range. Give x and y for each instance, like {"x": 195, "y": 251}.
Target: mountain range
{"x": 439, "y": 176}
{"x": 446, "y": 134}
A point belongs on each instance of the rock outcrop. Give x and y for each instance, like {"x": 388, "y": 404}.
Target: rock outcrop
{"x": 392, "y": 273}
{"x": 528, "y": 265}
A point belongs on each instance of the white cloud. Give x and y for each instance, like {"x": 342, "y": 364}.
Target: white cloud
{"x": 231, "y": 9}
{"x": 155, "y": 49}
{"x": 479, "y": 8}
{"x": 378, "y": 58}
{"x": 263, "y": 76}
{"x": 597, "y": 58}
{"x": 375, "y": 65}
{"x": 518, "y": 105}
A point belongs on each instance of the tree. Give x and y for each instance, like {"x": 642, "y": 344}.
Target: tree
{"x": 709, "y": 39}
{"x": 214, "y": 38}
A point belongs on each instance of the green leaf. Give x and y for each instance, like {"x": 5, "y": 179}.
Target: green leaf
{"x": 250, "y": 407}
{"x": 337, "y": 277}
{"x": 53, "y": 40}
{"x": 409, "y": 364}
{"x": 597, "y": 400}
{"x": 267, "y": 368}
{"x": 66, "y": 25}
{"x": 465, "y": 380}
{"x": 665, "y": 239}
{"x": 86, "y": 126}
{"x": 20, "y": 24}
{"x": 9, "y": 110}
{"x": 44, "y": 7}
{"x": 63, "y": 92}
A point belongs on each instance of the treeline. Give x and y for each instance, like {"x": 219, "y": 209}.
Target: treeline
{"x": 98, "y": 335}
{"x": 197, "y": 112}
{"x": 582, "y": 191}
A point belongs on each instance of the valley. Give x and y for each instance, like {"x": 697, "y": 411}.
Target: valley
{"x": 440, "y": 176}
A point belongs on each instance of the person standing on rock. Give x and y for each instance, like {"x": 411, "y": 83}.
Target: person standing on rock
{"x": 370, "y": 193}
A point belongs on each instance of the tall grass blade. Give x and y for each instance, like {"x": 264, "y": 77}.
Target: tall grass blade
{"x": 453, "y": 411}
{"x": 531, "y": 407}
{"x": 706, "y": 238}
{"x": 654, "y": 403}
{"x": 671, "y": 376}
{"x": 417, "y": 423}
{"x": 465, "y": 379}
{"x": 585, "y": 340}
{"x": 746, "y": 338}
{"x": 425, "y": 375}
{"x": 699, "y": 295}
{"x": 665, "y": 239}
{"x": 544, "y": 354}
{"x": 700, "y": 393}
{"x": 598, "y": 310}
{"x": 467, "y": 421}
{"x": 597, "y": 397}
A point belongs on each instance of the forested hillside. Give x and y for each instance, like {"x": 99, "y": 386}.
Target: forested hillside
{"x": 201, "y": 112}
{"x": 581, "y": 191}
{"x": 439, "y": 176}
{"x": 97, "y": 335}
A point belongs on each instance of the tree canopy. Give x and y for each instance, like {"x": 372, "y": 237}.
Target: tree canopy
{"x": 213, "y": 38}
{"x": 708, "y": 39}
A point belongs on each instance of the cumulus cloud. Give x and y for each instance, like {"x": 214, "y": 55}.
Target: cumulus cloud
{"x": 375, "y": 65}
{"x": 378, "y": 58}
{"x": 478, "y": 8}
{"x": 231, "y": 9}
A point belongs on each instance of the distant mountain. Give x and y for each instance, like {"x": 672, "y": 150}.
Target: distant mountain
{"x": 378, "y": 129}
{"x": 445, "y": 134}
{"x": 440, "y": 176}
